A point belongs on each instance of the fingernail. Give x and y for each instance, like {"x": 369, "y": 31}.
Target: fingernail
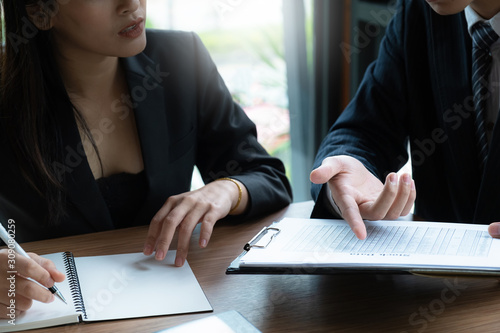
{"x": 413, "y": 185}
{"x": 393, "y": 179}
{"x": 179, "y": 262}
{"x": 159, "y": 255}
{"x": 147, "y": 250}
{"x": 407, "y": 179}
{"x": 203, "y": 243}
{"x": 495, "y": 229}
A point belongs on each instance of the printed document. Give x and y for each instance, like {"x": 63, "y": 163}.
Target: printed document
{"x": 389, "y": 244}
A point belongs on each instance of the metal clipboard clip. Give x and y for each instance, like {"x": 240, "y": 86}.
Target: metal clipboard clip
{"x": 259, "y": 236}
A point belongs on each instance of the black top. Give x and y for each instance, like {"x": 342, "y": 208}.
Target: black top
{"x": 124, "y": 195}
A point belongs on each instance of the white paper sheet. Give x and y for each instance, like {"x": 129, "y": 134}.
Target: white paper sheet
{"x": 331, "y": 243}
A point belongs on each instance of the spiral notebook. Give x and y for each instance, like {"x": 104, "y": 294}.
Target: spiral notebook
{"x": 115, "y": 287}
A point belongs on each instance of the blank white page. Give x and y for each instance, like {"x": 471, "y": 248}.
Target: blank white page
{"x": 133, "y": 285}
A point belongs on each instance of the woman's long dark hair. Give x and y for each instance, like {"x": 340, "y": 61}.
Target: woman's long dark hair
{"x": 32, "y": 98}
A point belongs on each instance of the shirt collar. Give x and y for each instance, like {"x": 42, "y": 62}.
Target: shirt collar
{"x": 472, "y": 18}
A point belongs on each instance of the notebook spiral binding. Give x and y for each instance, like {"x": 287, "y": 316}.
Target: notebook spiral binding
{"x": 74, "y": 283}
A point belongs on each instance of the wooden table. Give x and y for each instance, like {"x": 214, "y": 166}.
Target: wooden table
{"x": 305, "y": 303}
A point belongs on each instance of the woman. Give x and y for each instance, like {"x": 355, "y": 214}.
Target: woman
{"x": 102, "y": 131}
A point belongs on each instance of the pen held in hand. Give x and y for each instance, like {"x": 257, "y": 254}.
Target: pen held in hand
{"x": 11, "y": 243}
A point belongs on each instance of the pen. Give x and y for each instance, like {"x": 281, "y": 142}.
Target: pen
{"x": 9, "y": 241}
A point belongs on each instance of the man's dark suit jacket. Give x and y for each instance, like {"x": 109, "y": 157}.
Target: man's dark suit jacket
{"x": 419, "y": 89}
{"x": 185, "y": 117}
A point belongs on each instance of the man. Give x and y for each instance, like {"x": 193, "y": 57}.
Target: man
{"x": 436, "y": 89}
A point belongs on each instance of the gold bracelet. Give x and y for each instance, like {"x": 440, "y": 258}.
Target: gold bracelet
{"x": 239, "y": 190}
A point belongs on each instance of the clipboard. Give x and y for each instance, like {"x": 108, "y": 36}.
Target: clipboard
{"x": 290, "y": 234}
{"x": 271, "y": 232}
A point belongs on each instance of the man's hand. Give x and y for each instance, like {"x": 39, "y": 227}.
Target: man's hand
{"x": 360, "y": 195}
{"x": 494, "y": 230}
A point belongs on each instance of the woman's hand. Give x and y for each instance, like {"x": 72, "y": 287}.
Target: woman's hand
{"x": 183, "y": 212}
{"x": 360, "y": 195}
{"x": 17, "y": 287}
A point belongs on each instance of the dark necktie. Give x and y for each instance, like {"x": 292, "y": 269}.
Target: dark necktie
{"x": 483, "y": 37}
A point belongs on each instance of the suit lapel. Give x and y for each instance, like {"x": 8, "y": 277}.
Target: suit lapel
{"x": 451, "y": 72}
{"x": 146, "y": 85}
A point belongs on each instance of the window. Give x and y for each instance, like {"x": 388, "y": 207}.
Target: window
{"x": 245, "y": 40}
